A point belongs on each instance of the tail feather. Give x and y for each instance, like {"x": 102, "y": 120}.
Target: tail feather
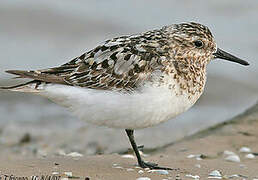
{"x": 31, "y": 87}
{"x": 40, "y": 78}
{"x": 38, "y": 75}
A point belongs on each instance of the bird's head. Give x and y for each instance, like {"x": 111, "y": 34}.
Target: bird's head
{"x": 194, "y": 43}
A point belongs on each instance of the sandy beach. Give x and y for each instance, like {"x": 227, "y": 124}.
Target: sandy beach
{"x": 45, "y": 33}
{"x": 228, "y": 149}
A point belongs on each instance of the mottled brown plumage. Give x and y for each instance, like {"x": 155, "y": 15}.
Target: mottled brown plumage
{"x": 126, "y": 63}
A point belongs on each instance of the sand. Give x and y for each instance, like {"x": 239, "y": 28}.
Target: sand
{"x": 192, "y": 157}
{"x": 47, "y": 33}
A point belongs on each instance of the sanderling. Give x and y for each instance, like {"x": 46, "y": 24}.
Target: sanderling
{"x": 134, "y": 81}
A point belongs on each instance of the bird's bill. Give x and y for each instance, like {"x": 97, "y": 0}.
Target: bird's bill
{"x": 226, "y": 56}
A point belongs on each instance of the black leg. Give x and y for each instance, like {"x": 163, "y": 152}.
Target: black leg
{"x": 141, "y": 163}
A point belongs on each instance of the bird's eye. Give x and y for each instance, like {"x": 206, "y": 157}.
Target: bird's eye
{"x": 198, "y": 43}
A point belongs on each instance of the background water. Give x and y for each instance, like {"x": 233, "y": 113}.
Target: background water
{"x": 44, "y": 33}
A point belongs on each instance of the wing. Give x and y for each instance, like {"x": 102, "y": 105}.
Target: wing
{"x": 123, "y": 63}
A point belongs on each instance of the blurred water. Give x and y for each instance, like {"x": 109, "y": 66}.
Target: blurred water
{"x": 45, "y": 33}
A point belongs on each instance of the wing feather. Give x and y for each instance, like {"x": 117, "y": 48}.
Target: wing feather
{"x": 122, "y": 63}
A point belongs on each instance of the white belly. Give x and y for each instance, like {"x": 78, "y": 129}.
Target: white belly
{"x": 152, "y": 106}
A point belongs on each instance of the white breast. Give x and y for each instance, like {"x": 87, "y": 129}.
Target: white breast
{"x": 142, "y": 109}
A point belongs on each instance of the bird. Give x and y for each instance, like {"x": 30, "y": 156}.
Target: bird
{"x": 133, "y": 81}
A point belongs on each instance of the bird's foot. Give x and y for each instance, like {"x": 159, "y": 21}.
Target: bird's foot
{"x": 153, "y": 166}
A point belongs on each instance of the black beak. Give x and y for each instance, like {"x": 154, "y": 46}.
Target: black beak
{"x": 224, "y": 55}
